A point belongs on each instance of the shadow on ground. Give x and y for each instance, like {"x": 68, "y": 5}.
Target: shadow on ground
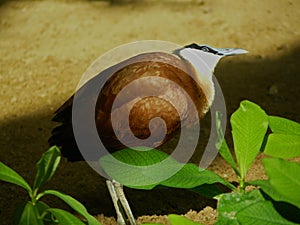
{"x": 271, "y": 82}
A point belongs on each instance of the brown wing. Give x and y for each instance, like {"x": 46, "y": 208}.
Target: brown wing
{"x": 141, "y": 73}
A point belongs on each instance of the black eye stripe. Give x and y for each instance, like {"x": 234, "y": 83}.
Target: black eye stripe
{"x": 194, "y": 45}
{"x": 208, "y": 49}
{"x": 203, "y": 48}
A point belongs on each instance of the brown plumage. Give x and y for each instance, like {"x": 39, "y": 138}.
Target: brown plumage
{"x": 145, "y": 70}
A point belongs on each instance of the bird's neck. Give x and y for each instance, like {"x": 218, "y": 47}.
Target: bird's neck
{"x": 203, "y": 64}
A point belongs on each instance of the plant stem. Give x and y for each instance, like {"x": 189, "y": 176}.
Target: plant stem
{"x": 39, "y": 196}
{"x": 242, "y": 184}
{"x": 33, "y": 196}
{"x": 231, "y": 186}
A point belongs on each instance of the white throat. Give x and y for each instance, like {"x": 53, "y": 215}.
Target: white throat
{"x": 204, "y": 64}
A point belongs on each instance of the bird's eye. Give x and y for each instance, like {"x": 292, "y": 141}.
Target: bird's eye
{"x": 205, "y": 49}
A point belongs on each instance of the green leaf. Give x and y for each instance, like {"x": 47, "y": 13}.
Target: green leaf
{"x": 249, "y": 125}
{"x": 9, "y": 175}
{"x": 283, "y": 145}
{"x": 18, "y": 213}
{"x": 285, "y": 178}
{"x": 191, "y": 176}
{"x": 261, "y": 212}
{"x": 41, "y": 208}
{"x": 266, "y": 186}
{"x": 146, "y": 168}
{"x": 287, "y": 210}
{"x": 143, "y": 165}
{"x": 65, "y": 218}
{"x": 230, "y": 204}
{"x": 222, "y": 145}
{"x": 28, "y": 215}
{"x": 181, "y": 220}
{"x": 46, "y": 167}
{"x": 283, "y": 125}
{"x": 152, "y": 224}
{"x": 47, "y": 217}
{"x": 76, "y": 205}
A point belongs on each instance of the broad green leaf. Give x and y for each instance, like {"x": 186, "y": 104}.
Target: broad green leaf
{"x": 283, "y": 145}
{"x": 144, "y": 166}
{"x": 261, "y": 212}
{"x": 222, "y": 145}
{"x": 74, "y": 204}
{"x": 140, "y": 156}
{"x": 230, "y": 204}
{"x": 46, "y": 167}
{"x": 181, "y": 220}
{"x": 153, "y": 167}
{"x": 266, "y": 186}
{"x": 249, "y": 125}
{"x": 284, "y": 178}
{"x": 283, "y": 125}
{"x": 287, "y": 210}
{"x": 191, "y": 176}
{"x": 64, "y": 217}
{"x": 9, "y": 175}
{"x": 28, "y": 216}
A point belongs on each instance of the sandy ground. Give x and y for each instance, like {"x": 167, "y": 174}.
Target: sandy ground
{"x": 45, "y": 46}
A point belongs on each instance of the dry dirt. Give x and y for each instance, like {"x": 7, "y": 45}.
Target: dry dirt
{"x": 45, "y": 46}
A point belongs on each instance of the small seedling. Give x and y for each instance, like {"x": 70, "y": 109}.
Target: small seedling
{"x": 36, "y": 212}
{"x": 249, "y": 127}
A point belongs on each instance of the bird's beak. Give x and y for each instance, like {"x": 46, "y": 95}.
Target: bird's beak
{"x": 231, "y": 51}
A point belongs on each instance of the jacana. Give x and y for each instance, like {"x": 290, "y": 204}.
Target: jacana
{"x": 190, "y": 68}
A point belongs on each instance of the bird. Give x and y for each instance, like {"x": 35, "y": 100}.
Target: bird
{"x": 187, "y": 69}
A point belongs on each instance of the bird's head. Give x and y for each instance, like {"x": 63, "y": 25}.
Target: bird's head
{"x": 206, "y": 55}
{"x": 204, "y": 59}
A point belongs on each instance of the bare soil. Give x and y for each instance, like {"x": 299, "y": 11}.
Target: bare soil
{"x": 45, "y": 46}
